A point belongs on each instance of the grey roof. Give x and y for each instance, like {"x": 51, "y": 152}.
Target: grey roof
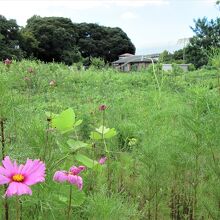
{"x": 137, "y": 59}
{"x": 126, "y": 55}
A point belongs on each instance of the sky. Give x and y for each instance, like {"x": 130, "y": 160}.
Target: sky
{"x": 152, "y": 25}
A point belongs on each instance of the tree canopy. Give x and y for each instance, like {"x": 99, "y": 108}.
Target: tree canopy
{"x": 207, "y": 36}
{"x": 58, "y": 39}
{"x": 99, "y": 41}
{"x": 9, "y": 39}
{"x": 50, "y": 38}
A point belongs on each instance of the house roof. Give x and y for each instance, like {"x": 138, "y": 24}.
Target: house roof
{"x": 137, "y": 59}
{"x": 126, "y": 55}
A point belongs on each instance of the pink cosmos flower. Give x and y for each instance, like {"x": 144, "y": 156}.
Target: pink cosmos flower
{"x": 20, "y": 177}
{"x": 71, "y": 176}
{"x": 102, "y": 160}
{"x": 102, "y": 107}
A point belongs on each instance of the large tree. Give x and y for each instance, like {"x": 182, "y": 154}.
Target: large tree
{"x": 117, "y": 44}
{"x": 207, "y": 36}
{"x": 58, "y": 39}
{"x": 9, "y": 39}
{"x": 105, "y": 42}
{"x": 50, "y": 38}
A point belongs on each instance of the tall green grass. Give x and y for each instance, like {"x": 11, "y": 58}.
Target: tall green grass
{"x": 164, "y": 160}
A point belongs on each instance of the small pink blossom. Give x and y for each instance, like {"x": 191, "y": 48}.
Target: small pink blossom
{"x": 102, "y": 160}
{"x": 72, "y": 176}
{"x": 7, "y": 62}
{"x": 52, "y": 83}
{"x": 102, "y": 107}
{"x": 20, "y": 177}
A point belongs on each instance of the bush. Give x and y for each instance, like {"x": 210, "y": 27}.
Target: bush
{"x": 97, "y": 63}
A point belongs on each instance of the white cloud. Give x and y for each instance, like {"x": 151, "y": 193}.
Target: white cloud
{"x": 128, "y": 15}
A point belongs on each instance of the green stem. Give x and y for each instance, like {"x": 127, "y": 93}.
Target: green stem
{"x": 6, "y": 208}
{"x": 47, "y": 141}
{"x": 155, "y": 76}
{"x": 77, "y": 138}
{"x": 69, "y": 205}
{"x": 103, "y": 138}
{"x": 106, "y": 151}
{"x": 2, "y": 138}
{"x": 18, "y": 216}
{"x": 59, "y": 161}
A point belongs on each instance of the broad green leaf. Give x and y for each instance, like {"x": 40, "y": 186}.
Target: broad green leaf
{"x": 102, "y": 129}
{"x": 85, "y": 160}
{"x": 77, "y": 199}
{"x": 77, "y": 123}
{"x": 108, "y": 133}
{"x": 111, "y": 133}
{"x": 64, "y": 122}
{"x": 76, "y": 145}
{"x": 95, "y": 135}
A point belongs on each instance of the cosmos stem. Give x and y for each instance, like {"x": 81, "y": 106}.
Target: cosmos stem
{"x": 18, "y": 215}
{"x": 106, "y": 151}
{"x": 103, "y": 124}
{"x": 69, "y": 205}
{"x": 2, "y": 138}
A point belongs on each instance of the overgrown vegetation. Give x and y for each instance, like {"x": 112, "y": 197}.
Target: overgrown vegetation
{"x": 162, "y": 161}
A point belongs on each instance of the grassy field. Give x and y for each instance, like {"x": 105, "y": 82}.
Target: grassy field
{"x": 162, "y": 164}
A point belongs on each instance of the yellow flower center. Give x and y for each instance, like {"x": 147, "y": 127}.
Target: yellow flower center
{"x": 18, "y": 178}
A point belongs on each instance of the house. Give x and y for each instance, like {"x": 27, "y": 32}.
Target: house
{"x": 128, "y": 62}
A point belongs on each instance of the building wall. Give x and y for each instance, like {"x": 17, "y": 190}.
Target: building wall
{"x": 126, "y": 68}
{"x": 142, "y": 66}
{"x": 132, "y": 66}
{"x": 167, "y": 67}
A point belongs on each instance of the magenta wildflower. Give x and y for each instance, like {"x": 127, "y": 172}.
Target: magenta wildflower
{"x": 20, "y": 177}
{"x": 7, "y": 62}
{"x": 102, "y": 160}
{"x": 72, "y": 176}
{"x": 102, "y": 107}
